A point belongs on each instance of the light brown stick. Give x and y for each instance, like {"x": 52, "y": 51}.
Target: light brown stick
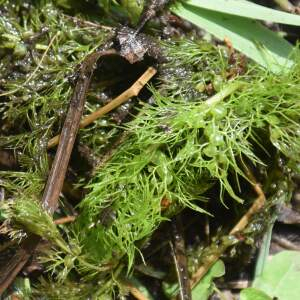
{"x": 133, "y": 91}
{"x": 135, "y": 292}
{"x": 64, "y": 220}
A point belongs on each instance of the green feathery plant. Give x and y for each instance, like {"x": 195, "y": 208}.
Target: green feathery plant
{"x": 176, "y": 145}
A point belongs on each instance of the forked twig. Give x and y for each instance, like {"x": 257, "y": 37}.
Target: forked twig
{"x": 133, "y": 91}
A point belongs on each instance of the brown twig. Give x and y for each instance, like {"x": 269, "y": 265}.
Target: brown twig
{"x": 241, "y": 225}
{"x": 135, "y": 292}
{"x": 7, "y": 244}
{"x": 150, "y": 10}
{"x": 66, "y": 141}
{"x": 69, "y": 132}
{"x": 256, "y": 206}
{"x": 64, "y": 220}
{"x": 15, "y": 265}
{"x": 59, "y": 166}
{"x": 133, "y": 91}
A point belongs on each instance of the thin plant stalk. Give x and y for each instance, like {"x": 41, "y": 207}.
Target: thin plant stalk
{"x": 133, "y": 91}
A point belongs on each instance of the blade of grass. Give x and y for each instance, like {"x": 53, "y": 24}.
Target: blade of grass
{"x": 263, "y": 252}
{"x": 248, "y": 9}
{"x": 248, "y": 36}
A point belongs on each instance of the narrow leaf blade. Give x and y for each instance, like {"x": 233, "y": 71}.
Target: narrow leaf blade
{"x": 247, "y": 9}
{"x": 248, "y": 36}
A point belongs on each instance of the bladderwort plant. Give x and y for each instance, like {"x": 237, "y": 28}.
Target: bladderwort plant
{"x": 177, "y": 144}
{"x": 183, "y": 144}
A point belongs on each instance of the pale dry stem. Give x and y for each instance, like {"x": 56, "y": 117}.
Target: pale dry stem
{"x": 135, "y": 292}
{"x": 64, "y": 220}
{"x": 133, "y": 91}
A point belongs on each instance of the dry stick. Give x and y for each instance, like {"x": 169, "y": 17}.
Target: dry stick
{"x": 285, "y": 243}
{"x": 243, "y": 222}
{"x": 64, "y": 220}
{"x": 59, "y": 166}
{"x": 24, "y": 253}
{"x": 136, "y": 292}
{"x": 133, "y": 91}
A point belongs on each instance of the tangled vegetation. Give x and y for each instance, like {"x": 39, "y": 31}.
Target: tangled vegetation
{"x": 213, "y": 115}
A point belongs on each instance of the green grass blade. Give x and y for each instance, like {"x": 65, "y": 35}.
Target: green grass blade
{"x": 248, "y": 36}
{"x": 247, "y": 9}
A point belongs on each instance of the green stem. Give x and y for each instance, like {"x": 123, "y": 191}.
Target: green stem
{"x": 228, "y": 90}
{"x": 91, "y": 266}
{"x": 263, "y": 252}
{"x": 108, "y": 285}
{"x": 62, "y": 245}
